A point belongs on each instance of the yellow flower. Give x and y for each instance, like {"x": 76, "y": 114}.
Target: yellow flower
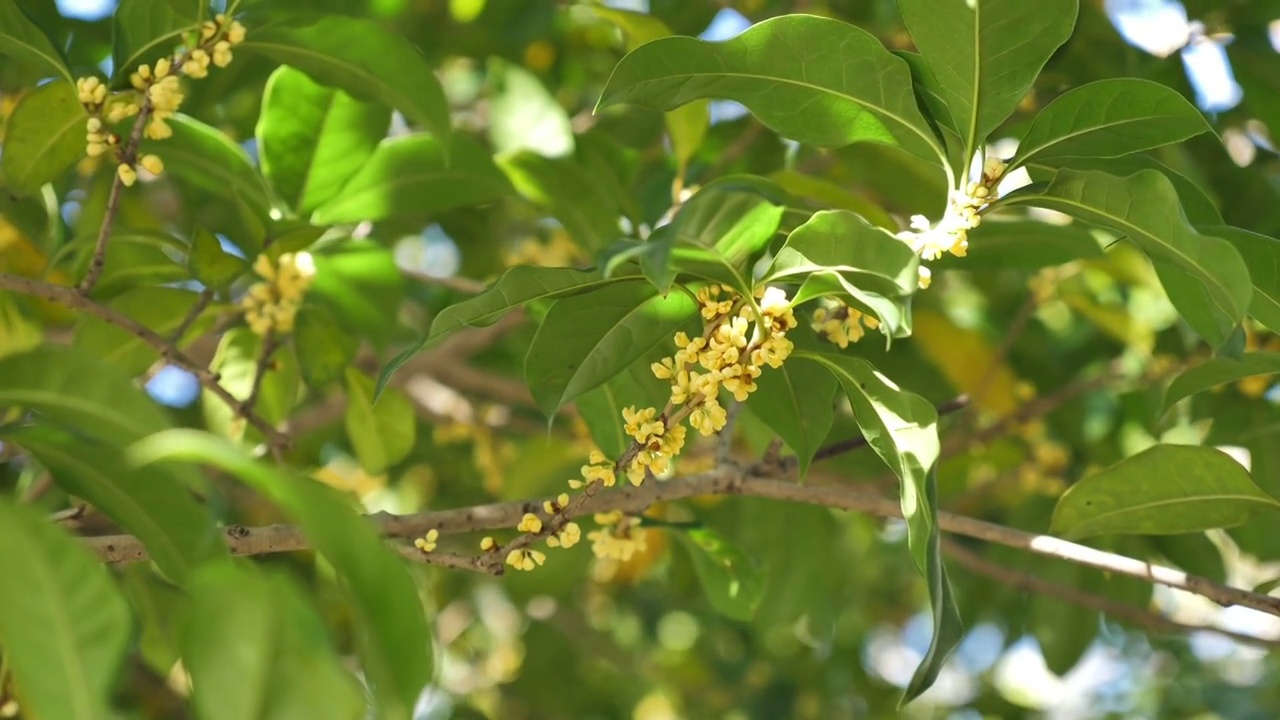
{"x": 222, "y": 53}
{"x": 127, "y": 175}
{"x": 740, "y": 380}
{"x": 554, "y": 506}
{"x": 597, "y": 473}
{"x": 637, "y": 470}
{"x": 926, "y": 277}
{"x": 196, "y": 65}
{"x": 709, "y": 418}
{"x": 664, "y": 370}
{"x": 530, "y": 523}
{"x": 141, "y": 78}
{"x": 151, "y": 164}
{"x": 525, "y": 559}
{"x": 157, "y": 129}
{"x": 163, "y": 66}
{"x": 566, "y": 538}
{"x": 427, "y": 543}
{"x": 91, "y": 91}
{"x": 487, "y": 543}
{"x": 235, "y": 33}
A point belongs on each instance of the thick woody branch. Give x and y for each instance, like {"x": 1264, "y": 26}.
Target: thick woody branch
{"x": 71, "y": 298}
{"x": 723, "y": 481}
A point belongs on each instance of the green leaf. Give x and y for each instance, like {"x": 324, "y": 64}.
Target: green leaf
{"x": 999, "y": 244}
{"x": 77, "y": 391}
{"x": 1163, "y": 490}
{"x": 587, "y": 339}
{"x": 798, "y": 584}
{"x": 1262, "y": 255}
{"x": 236, "y": 362}
{"x": 1195, "y": 553}
{"x": 324, "y": 348}
{"x": 571, "y": 193}
{"x": 392, "y": 629}
{"x": 838, "y": 241}
{"x": 1109, "y": 118}
{"x": 257, "y": 650}
{"x": 410, "y": 177}
{"x": 382, "y": 434}
{"x": 312, "y": 138}
{"x": 205, "y": 158}
{"x": 44, "y": 136}
{"x": 24, "y": 42}
{"x": 985, "y": 55}
{"x": 849, "y": 88}
{"x": 832, "y": 196}
{"x": 151, "y": 503}
{"x": 361, "y": 58}
{"x": 1144, "y": 207}
{"x": 733, "y": 582}
{"x": 211, "y": 265}
{"x": 524, "y": 115}
{"x": 796, "y": 401}
{"x": 64, "y": 625}
{"x": 902, "y": 428}
{"x": 134, "y": 257}
{"x": 1196, "y": 203}
{"x": 601, "y": 408}
{"x": 144, "y": 31}
{"x": 734, "y": 221}
{"x": 1218, "y": 371}
{"x": 359, "y": 282}
{"x": 161, "y": 309}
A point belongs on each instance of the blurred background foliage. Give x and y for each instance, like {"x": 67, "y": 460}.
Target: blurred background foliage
{"x": 840, "y": 624}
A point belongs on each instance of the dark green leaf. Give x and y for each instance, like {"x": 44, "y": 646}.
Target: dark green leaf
{"x": 362, "y": 58}
{"x": 410, "y": 177}
{"x": 24, "y": 42}
{"x": 1023, "y": 245}
{"x": 134, "y": 257}
{"x": 44, "y": 136}
{"x": 382, "y": 434}
{"x": 734, "y": 221}
{"x": 324, "y": 347}
{"x": 1196, "y": 203}
{"x": 985, "y": 55}
{"x": 64, "y": 625}
{"x": 161, "y": 309}
{"x": 359, "y": 281}
{"x": 151, "y": 503}
{"x": 570, "y": 192}
{"x": 312, "y": 138}
{"x": 847, "y": 86}
{"x": 393, "y": 637}
{"x": 257, "y": 650}
{"x": 1195, "y": 553}
{"x": 1262, "y": 254}
{"x": 733, "y": 582}
{"x": 894, "y": 314}
{"x": 839, "y": 241}
{"x": 1166, "y": 489}
{"x": 587, "y": 339}
{"x": 1109, "y": 118}
{"x": 205, "y": 158}
{"x": 1144, "y": 207}
{"x": 236, "y": 362}
{"x": 1218, "y": 371}
{"x": 210, "y": 264}
{"x": 146, "y": 30}
{"x": 796, "y": 401}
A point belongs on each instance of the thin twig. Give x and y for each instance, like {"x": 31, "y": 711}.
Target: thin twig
{"x": 71, "y": 298}
{"x": 202, "y": 302}
{"x": 1147, "y": 620}
{"x": 1019, "y": 324}
{"x": 722, "y": 481}
{"x": 456, "y": 283}
{"x": 270, "y": 342}
{"x": 128, "y": 156}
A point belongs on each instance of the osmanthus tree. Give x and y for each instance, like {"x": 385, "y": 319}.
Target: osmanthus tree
{"x": 533, "y": 392}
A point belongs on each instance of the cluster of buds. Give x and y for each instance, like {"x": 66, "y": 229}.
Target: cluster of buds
{"x": 427, "y": 543}
{"x": 951, "y": 233}
{"x": 842, "y": 324}
{"x": 159, "y": 89}
{"x": 272, "y": 305}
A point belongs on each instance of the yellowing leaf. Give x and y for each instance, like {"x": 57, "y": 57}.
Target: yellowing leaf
{"x": 966, "y": 357}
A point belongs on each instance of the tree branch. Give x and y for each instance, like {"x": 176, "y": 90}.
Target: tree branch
{"x": 128, "y": 156}
{"x": 722, "y": 481}
{"x": 73, "y": 299}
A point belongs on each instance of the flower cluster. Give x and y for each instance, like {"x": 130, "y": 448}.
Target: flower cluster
{"x": 616, "y": 539}
{"x": 271, "y": 305}
{"x": 842, "y": 324}
{"x": 156, "y": 87}
{"x": 427, "y": 543}
{"x": 951, "y": 233}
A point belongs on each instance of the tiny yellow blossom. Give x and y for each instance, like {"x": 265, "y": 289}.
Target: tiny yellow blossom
{"x": 127, "y": 174}
{"x": 222, "y": 53}
{"x": 554, "y": 506}
{"x": 566, "y": 538}
{"x": 530, "y": 523}
{"x": 525, "y": 559}
{"x": 196, "y": 65}
{"x": 157, "y": 129}
{"x": 427, "y": 543}
{"x": 151, "y": 164}
{"x": 488, "y": 544}
{"x": 236, "y": 33}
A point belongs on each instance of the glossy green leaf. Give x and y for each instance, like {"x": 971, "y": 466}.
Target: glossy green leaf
{"x": 902, "y": 428}
{"x": 1144, "y": 207}
{"x": 797, "y": 402}
{"x": 1262, "y": 255}
{"x": 411, "y": 178}
{"x": 841, "y": 242}
{"x": 43, "y": 138}
{"x": 1196, "y": 203}
{"x": 985, "y": 55}
{"x": 26, "y": 44}
{"x": 1195, "y": 553}
{"x": 393, "y": 637}
{"x": 312, "y": 138}
{"x": 144, "y": 31}
{"x": 257, "y": 650}
{"x": 324, "y": 348}
{"x": 587, "y": 339}
{"x": 134, "y": 257}
{"x": 77, "y": 391}
{"x": 1109, "y": 118}
{"x": 832, "y": 196}
{"x": 999, "y": 244}
{"x": 524, "y": 115}
{"x": 570, "y": 192}
{"x": 894, "y": 314}
{"x": 359, "y": 282}
{"x": 1165, "y": 489}
{"x": 362, "y": 58}
{"x": 382, "y": 434}
{"x": 210, "y": 264}
{"x": 849, "y": 87}
{"x": 161, "y": 309}
{"x": 64, "y": 625}
{"x": 150, "y": 503}
{"x": 205, "y": 158}
{"x": 798, "y": 584}
{"x": 236, "y": 362}
{"x": 1217, "y": 371}
{"x": 733, "y": 581}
